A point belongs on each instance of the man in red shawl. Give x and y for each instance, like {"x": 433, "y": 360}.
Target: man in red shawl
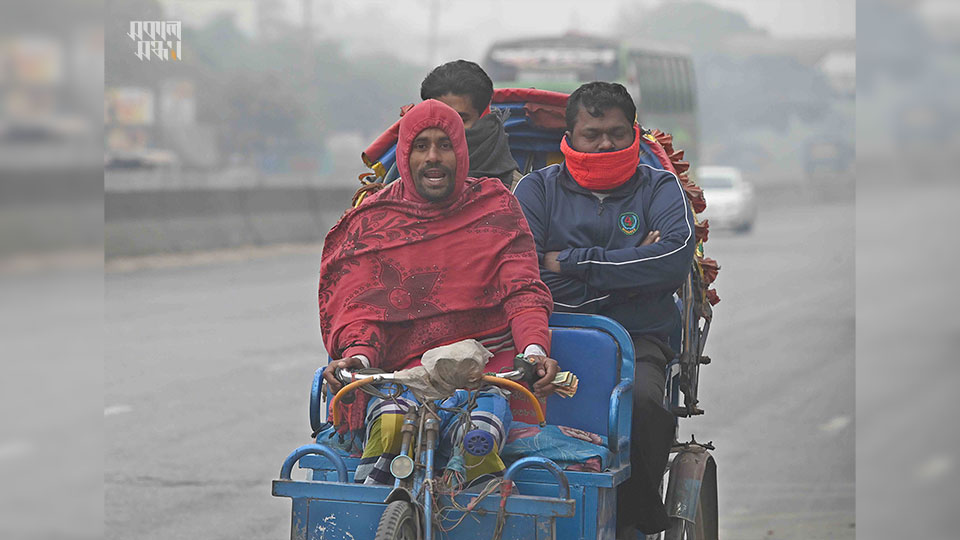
{"x": 433, "y": 259}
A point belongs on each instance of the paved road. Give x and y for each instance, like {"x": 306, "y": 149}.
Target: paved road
{"x": 208, "y": 368}
{"x": 779, "y": 395}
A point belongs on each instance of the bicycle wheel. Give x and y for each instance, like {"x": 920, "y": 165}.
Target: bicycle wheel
{"x": 398, "y": 522}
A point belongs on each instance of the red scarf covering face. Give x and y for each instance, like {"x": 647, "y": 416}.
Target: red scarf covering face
{"x": 401, "y": 275}
{"x": 601, "y": 171}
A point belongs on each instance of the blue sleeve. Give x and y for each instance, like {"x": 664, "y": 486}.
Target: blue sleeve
{"x": 653, "y": 267}
{"x": 569, "y": 293}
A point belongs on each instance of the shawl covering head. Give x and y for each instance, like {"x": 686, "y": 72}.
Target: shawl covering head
{"x": 431, "y": 114}
{"x": 402, "y": 275}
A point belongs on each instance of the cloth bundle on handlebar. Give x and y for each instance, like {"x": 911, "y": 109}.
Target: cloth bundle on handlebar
{"x": 445, "y": 369}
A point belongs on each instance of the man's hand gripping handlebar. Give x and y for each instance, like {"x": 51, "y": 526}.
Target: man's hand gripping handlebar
{"x": 333, "y": 373}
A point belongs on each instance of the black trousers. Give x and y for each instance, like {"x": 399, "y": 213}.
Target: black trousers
{"x": 652, "y": 431}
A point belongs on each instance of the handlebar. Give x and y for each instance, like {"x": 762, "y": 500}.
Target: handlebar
{"x": 309, "y": 449}
{"x": 512, "y": 385}
{"x": 503, "y": 380}
{"x": 334, "y": 410}
{"x": 549, "y": 465}
{"x": 345, "y": 376}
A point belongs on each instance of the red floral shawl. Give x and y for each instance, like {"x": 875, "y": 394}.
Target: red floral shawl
{"x": 400, "y": 275}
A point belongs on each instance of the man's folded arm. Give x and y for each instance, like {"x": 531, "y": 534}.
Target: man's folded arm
{"x": 572, "y": 294}
{"x": 664, "y": 263}
{"x": 569, "y": 293}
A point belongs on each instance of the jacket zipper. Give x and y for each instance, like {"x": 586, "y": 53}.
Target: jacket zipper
{"x": 600, "y": 208}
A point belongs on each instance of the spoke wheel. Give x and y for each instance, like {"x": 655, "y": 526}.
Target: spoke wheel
{"x": 398, "y": 522}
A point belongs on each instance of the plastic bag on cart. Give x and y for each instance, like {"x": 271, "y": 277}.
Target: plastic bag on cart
{"x": 445, "y": 369}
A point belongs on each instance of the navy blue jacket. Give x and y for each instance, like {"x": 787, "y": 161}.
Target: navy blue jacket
{"x": 604, "y": 269}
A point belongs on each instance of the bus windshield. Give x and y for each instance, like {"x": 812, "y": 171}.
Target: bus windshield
{"x": 660, "y": 78}
{"x": 563, "y": 61}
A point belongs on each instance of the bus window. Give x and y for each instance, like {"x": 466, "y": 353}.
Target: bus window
{"x": 687, "y": 85}
{"x": 691, "y": 84}
{"x": 632, "y": 80}
{"x": 677, "y": 89}
{"x": 669, "y": 85}
{"x": 662, "y": 81}
{"x": 684, "y": 89}
{"x": 650, "y": 77}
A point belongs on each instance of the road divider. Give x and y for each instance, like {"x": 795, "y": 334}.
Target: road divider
{"x": 147, "y": 222}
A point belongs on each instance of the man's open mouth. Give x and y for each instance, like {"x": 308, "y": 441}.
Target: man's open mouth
{"x": 435, "y": 177}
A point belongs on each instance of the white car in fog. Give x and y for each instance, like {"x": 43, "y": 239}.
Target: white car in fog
{"x": 730, "y": 200}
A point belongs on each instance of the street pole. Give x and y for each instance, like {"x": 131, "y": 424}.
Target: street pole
{"x": 434, "y": 22}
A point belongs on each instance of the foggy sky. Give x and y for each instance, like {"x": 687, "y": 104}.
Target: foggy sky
{"x": 467, "y": 27}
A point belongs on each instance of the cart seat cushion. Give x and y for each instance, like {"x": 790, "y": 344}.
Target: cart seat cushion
{"x": 571, "y": 448}
{"x": 594, "y": 357}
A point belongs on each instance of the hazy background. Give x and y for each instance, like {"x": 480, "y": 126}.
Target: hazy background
{"x": 284, "y": 94}
{"x": 288, "y": 92}
{"x": 268, "y": 112}
{"x": 908, "y": 75}
{"x": 51, "y": 270}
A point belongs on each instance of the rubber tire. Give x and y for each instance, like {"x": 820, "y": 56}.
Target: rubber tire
{"x": 398, "y": 522}
{"x": 684, "y": 530}
{"x": 706, "y": 524}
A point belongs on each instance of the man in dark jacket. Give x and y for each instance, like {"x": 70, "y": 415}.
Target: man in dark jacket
{"x": 465, "y": 87}
{"x": 616, "y": 237}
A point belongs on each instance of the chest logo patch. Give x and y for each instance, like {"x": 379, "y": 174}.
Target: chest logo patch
{"x": 629, "y": 223}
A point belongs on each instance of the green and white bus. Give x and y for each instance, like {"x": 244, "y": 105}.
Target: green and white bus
{"x": 659, "y": 78}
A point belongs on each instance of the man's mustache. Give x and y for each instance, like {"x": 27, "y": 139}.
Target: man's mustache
{"x": 446, "y": 170}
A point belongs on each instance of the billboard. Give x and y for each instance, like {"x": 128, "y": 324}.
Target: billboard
{"x": 129, "y": 106}
{"x": 178, "y": 102}
{"x": 35, "y": 61}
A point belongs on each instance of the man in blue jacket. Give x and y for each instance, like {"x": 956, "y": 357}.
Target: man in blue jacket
{"x": 616, "y": 237}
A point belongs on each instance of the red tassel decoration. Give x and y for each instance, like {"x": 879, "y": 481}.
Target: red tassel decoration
{"x": 710, "y": 269}
{"x": 712, "y": 297}
{"x": 702, "y": 230}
